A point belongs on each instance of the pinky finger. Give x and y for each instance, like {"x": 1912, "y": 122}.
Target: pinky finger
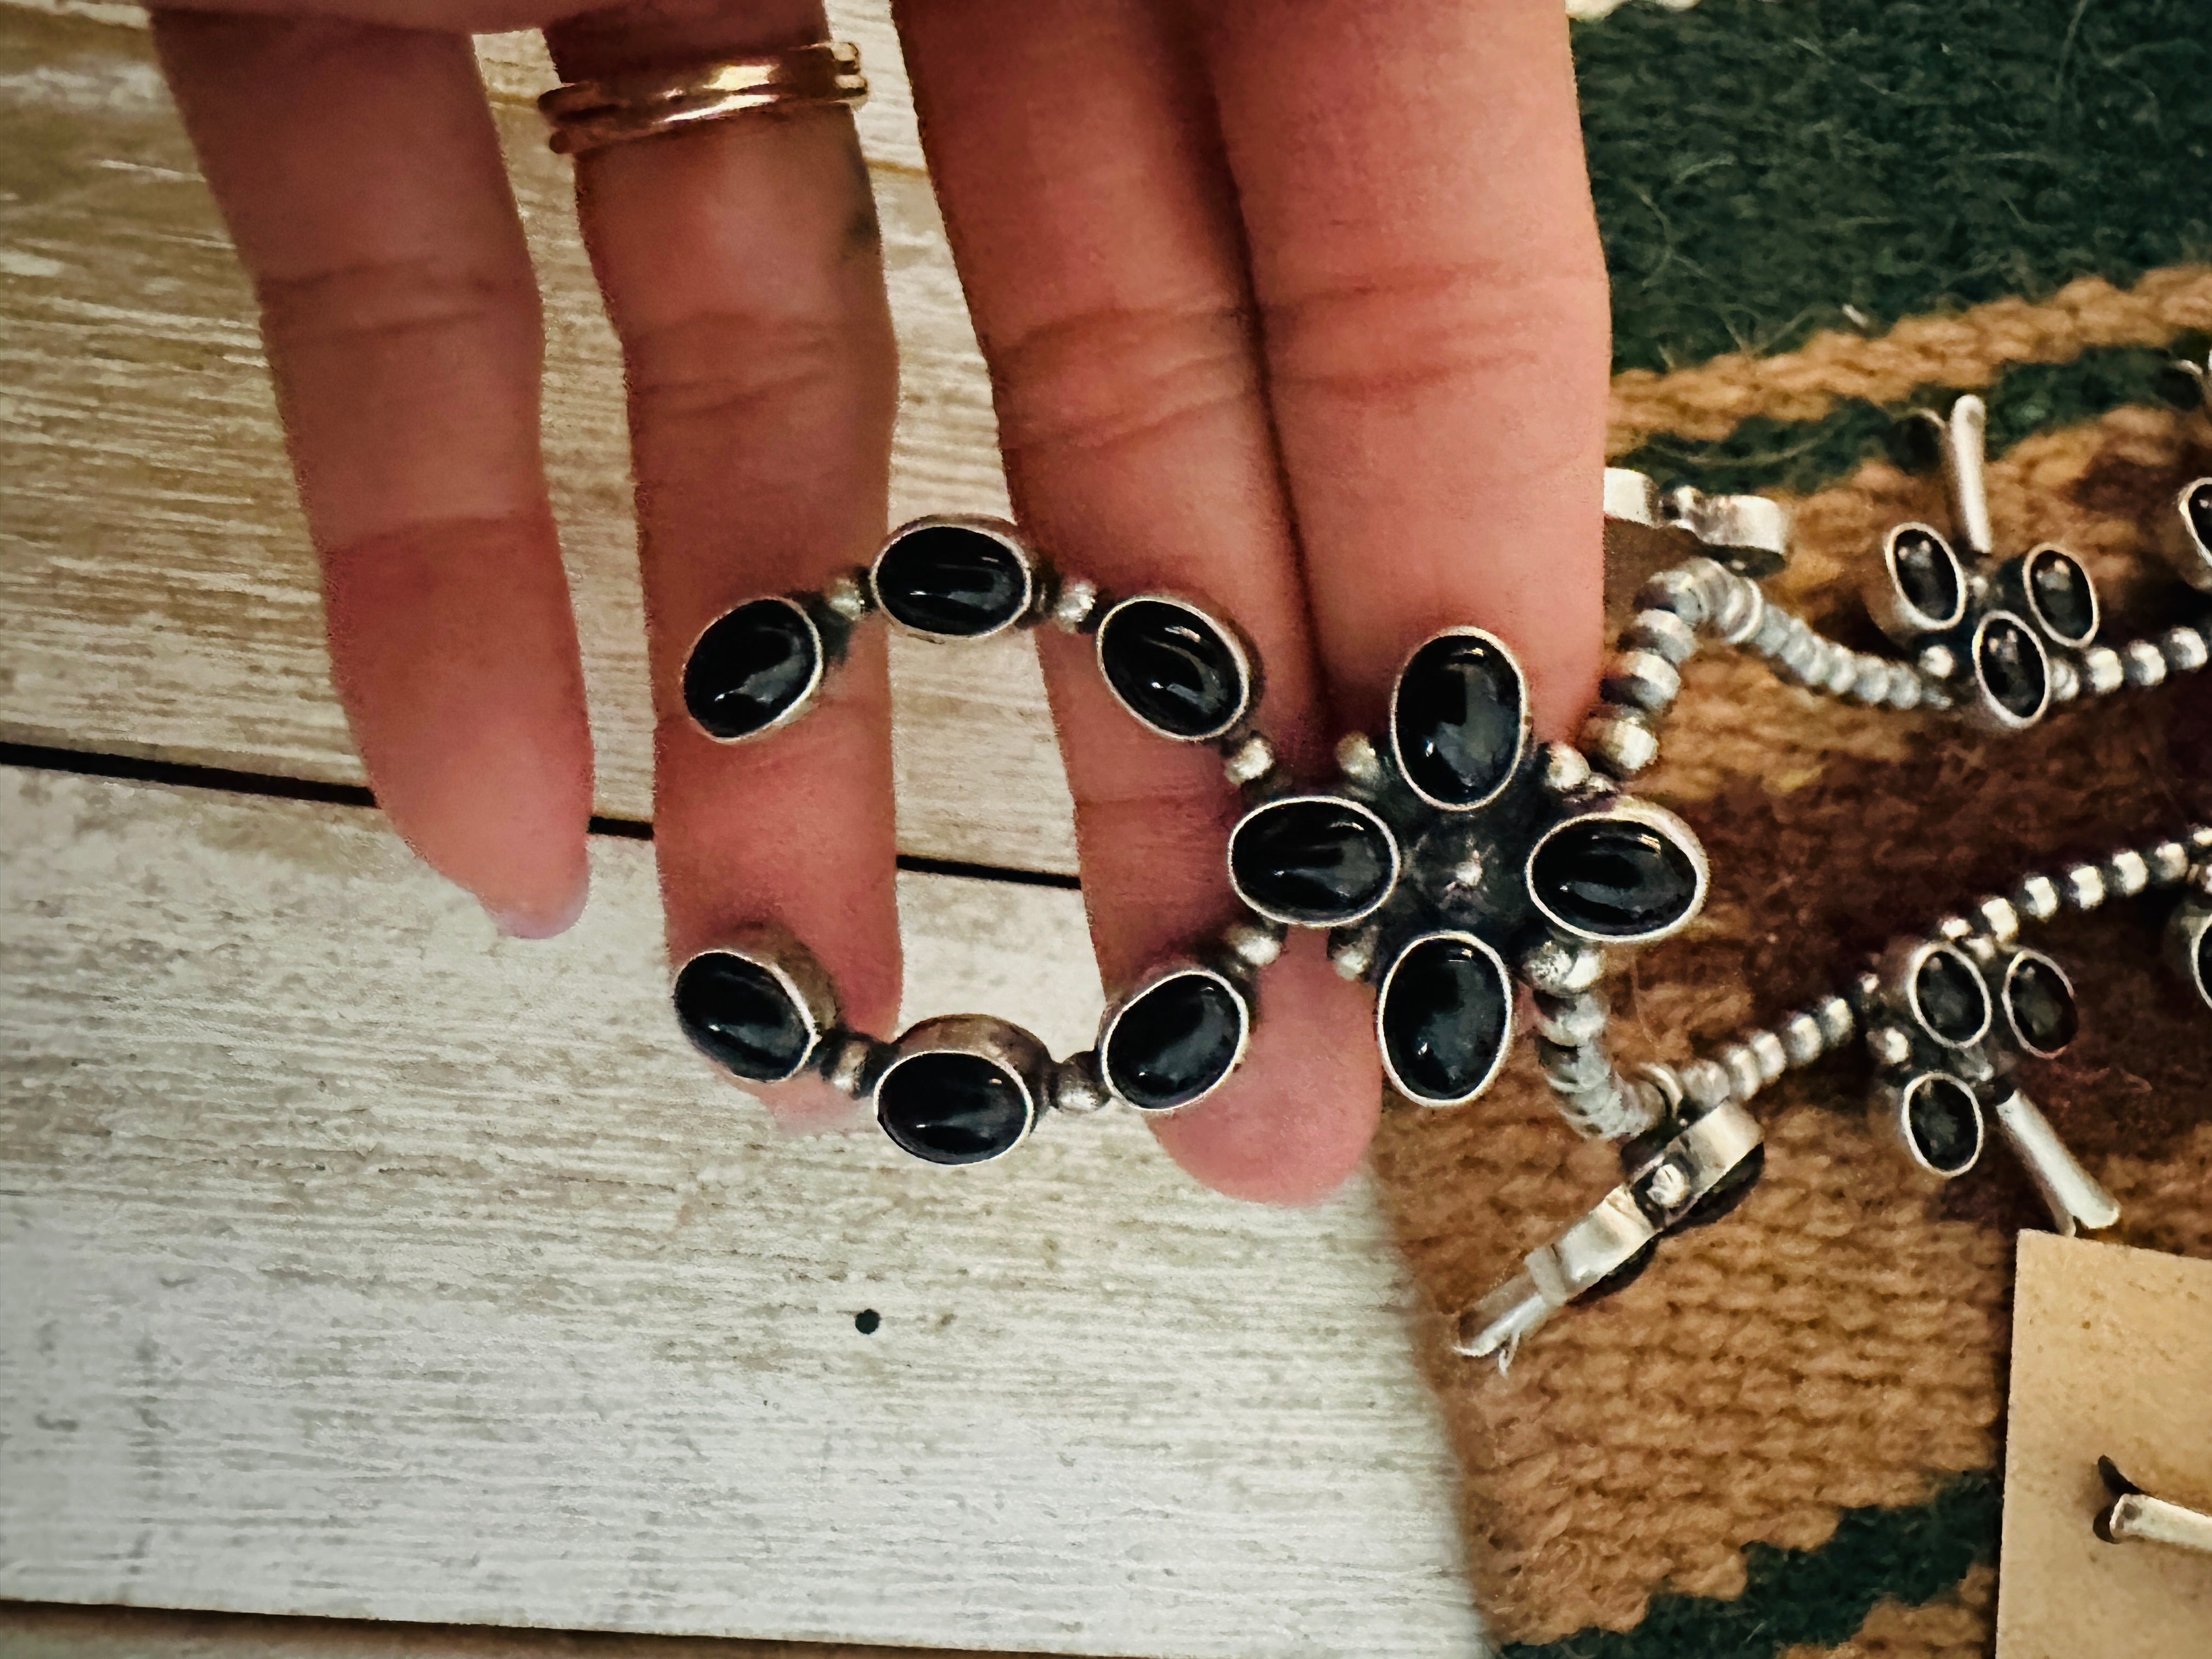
{"x": 360, "y": 176}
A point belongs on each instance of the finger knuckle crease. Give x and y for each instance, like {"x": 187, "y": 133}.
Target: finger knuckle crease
{"x": 1107, "y": 378}
{"x": 385, "y": 300}
{"x": 712, "y": 367}
{"x": 1402, "y": 330}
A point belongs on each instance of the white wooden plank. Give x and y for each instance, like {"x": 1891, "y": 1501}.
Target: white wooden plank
{"x": 159, "y": 595}
{"x": 356, "y": 1263}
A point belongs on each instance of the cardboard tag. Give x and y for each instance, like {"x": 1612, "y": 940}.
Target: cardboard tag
{"x": 2112, "y": 1356}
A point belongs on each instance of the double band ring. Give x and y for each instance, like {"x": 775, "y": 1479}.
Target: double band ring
{"x": 589, "y": 115}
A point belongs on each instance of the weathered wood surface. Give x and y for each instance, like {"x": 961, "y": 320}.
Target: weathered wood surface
{"x": 47, "y": 1631}
{"x": 159, "y": 595}
{"x": 358, "y": 1264}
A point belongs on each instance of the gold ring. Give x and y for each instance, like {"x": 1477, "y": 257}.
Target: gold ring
{"x": 589, "y": 115}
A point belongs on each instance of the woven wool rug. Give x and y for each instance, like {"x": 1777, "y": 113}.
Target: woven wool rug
{"x": 1785, "y": 1437}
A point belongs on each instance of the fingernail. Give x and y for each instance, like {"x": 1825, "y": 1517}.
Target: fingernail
{"x": 544, "y": 922}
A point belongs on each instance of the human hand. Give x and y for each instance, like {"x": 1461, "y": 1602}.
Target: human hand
{"x": 1296, "y": 308}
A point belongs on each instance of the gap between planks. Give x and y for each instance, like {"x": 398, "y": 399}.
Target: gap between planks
{"x": 159, "y": 595}
{"x": 357, "y": 1264}
{"x": 48, "y": 1632}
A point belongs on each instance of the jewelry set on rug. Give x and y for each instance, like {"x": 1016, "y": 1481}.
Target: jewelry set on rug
{"x": 1453, "y": 861}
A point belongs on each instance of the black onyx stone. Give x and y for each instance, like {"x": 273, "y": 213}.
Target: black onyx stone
{"x": 1173, "y": 667}
{"x": 2041, "y": 1004}
{"x": 1315, "y": 862}
{"x": 1458, "y": 720}
{"x": 946, "y": 578}
{"x": 1953, "y": 1002}
{"x": 951, "y": 1107}
{"x": 1614, "y": 878}
{"x": 749, "y": 667}
{"x": 1928, "y": 575}
{"x": 1174, "y": 1042}
{"x": 739, "y": 1015}
{"x": 2063, "y": 595}
{"x": 2012, "y": 667}
{"x": 1944, "y": 1125}
{"x": 1443, "y": 1018}
{"x": 2200, "y": 513}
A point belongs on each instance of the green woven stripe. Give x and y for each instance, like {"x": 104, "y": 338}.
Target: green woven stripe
{"x": 1759, "y": 167}
{"x": 1822, "y": 1596}
{"x": 1764, "y": 454}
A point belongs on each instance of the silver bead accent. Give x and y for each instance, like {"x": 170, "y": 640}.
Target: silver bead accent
{"x": 1561, "y": 969}
{"x": 1842, "y": 675}
{"x": 1357, "y": 759}
{"x": 2084, "y": 886}
{"x": 2102, "y": 671}
{"x": 1075, "y": 605}
{"x": 1663, "y": 634}
{"x": 2036, "y": 898}
{"x": 1576, "y": 1021}
{"x": 1766, "y": 1049}
{"x": 1668, "y": 1186}
{"x": 1871, "y": 686}
{"x": 1565, "y": 770}
{"x": 1249, "y": 760}
{"x": 1744, "y": 1075}
{"x": 1676, "y": 591}
{"x": 1742, "y": 607}
{"x": 849, "y": 1062}
{"x": 1906, "y": 689}
{"x": 1622, "y": 745}
{"x": 1573, "y": 1068}
{"x": 2065, "y": 683}
{"x": 1252, "y": 944}
{"x": 1952, "y": 929}
{"x": 2185, "y": 649}
{"x": 1802, "y": 1039}
{"x": 1706, "y": 1083}
{"x": 1073, "y": 1085}
{"x": 2127, "y": 873}
{"x": 847, "y": 593}
{"x": 1352, "y": 951}
{"x": 1640, "y": 679}
{"x": 1836, "y": 1020}
{"x": 2144, "y": 664}
{"x": 2168, "y": 861}
{"x": 1939, "y": 662}
{"x": 1889, "y": 1045}
{"x": 1997, "y": 918}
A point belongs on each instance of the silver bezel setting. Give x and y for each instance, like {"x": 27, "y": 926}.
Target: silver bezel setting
{"x": 1904, "y": 981}
{"x": 2019, "y": 959}
{"x": 1625, "y": 809}
{"x": 797, "y": 974}
{"x": 2035, "y": 606}
{"x": 2185, "y": 550}
{"x": 1240, "y": 650}
{"x": 2184, "y": 937}
{"x": 998, "y": 529}
{"x": 1521, "y": 740}
{"x": 1896, "y": 615}
{"x": 1893, "y": 1110}
{"x": 1322, "y": 797}
{"x": 797, "y": 706}
{"x": 1987, "y": 709}
{"x": 1505, "y": 1041}
{"x": 1181, "y": 967}
{"x": 1004, "y": 1045}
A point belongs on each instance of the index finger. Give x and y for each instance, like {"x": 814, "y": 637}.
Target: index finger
{"x": 1424, "y": 255}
